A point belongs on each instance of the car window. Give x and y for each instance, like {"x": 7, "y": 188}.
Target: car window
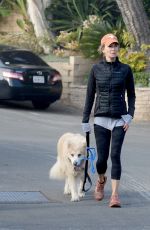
{"x": 21, "y": 57}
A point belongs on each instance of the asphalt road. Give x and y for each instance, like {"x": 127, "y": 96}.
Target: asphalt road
{"x": 28, "y": 149}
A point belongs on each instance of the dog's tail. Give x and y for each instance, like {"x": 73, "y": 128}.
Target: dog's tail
{"x": 56, "y": 172}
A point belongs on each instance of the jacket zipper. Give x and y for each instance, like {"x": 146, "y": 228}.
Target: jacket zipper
{"x": 110, "y": 86}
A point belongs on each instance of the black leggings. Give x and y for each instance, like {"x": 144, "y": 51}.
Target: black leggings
{"x": 105, "y": 138}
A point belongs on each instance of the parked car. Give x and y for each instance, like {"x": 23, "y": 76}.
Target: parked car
{"x": 26, "y": 76}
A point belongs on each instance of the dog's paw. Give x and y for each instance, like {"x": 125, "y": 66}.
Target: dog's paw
{"x": 81, "y": 194}
{"x": 75, "y": 199}
{"x": 67, "y": 192}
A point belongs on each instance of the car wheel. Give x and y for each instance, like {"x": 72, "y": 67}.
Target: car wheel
{"x": 40, "y": 104}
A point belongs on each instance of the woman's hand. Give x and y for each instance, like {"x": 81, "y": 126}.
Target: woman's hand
{"x": 125, "y": 127}
{"x": 127, "y": 120}
{"x": 86, "y": 127}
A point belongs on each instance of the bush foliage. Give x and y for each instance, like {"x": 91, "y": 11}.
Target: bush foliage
{"x": 142, "y": 79}
{"x": 22, "y": 40}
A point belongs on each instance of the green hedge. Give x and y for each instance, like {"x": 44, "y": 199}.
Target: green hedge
{"x": 142, "y": 79}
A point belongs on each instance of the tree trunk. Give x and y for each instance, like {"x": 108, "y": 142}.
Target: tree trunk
{"x": 136, "y": 20}
{"x": 35, "y": 10}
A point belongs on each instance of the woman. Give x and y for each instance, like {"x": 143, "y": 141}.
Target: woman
{"x": 109, "y": 80}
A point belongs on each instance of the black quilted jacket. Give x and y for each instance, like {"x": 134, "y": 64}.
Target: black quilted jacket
{"x": 109, "y": 81}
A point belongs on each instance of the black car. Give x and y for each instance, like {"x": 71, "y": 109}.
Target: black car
{"x": 25, "y": 76}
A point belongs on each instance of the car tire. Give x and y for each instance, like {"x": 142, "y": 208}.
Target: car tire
{"x": 40, "y": 104}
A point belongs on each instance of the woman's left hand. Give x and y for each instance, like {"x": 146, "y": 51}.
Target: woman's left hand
{"x": 125, "y": 127}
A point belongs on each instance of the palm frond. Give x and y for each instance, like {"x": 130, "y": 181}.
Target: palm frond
{"x": 79, "y": 10}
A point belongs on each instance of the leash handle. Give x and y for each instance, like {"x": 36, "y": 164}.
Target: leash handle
{"x": 86, "y": 165}
{"x": 87, "y": 140}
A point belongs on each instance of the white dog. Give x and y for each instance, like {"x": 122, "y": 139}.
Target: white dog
{"x": 71, "y": 152}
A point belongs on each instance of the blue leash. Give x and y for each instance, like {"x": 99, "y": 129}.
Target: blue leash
{"x": 91, "y": 158}
{"x": 91, "y": 155}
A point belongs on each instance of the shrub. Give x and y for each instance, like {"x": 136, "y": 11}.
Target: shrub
{"x": 142, "y": 79}
{"x": 69, "y": 15}
{"x": 68, "y": 40}
{"x": 22, "y": 40}
{"x": 136, "y": 59}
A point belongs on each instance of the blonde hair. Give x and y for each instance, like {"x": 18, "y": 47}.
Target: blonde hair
{"x": 100, "y": 49}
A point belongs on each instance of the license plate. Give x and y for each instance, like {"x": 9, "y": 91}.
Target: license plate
{"x": 38, "y": 79}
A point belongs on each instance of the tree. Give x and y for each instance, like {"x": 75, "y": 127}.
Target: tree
{"x": 136, "y": 20}
{"x": 36, "y": 10}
